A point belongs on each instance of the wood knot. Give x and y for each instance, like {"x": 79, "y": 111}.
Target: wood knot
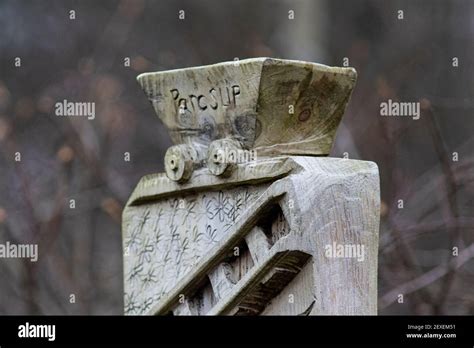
{"x": 304, "y": 115}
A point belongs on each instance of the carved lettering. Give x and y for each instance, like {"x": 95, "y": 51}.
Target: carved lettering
{"x": 235, "y": 93}
{"x": 214, "y": 98}
{"x": 202, "y": 106}
{"x": 175, "y": 93}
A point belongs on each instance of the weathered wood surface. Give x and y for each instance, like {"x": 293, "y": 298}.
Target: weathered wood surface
{"x": 173, "y": 248}
{"x": 282, "y": 233}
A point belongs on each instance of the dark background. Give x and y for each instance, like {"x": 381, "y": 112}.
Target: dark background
{"x": 65, "y": 158}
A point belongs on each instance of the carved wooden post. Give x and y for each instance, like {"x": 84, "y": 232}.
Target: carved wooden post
{"x": 250, "y": 218}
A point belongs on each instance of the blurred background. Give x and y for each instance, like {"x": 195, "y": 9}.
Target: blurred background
{"x": 427, "y": 163}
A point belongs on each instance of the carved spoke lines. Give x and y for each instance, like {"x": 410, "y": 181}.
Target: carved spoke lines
{"x": 146, "y": 251}
{"x": 174, "y": 233}
{"x": 167, "y": 257}
{"x": 157, "y": 219}
{"x": 174, "y": 204}
{"x": 234, "y": 212}
{"x": 131, "y": 305}
{"x": 219, "y": 206}
{"x": 189, "y": 210}
{"x": 135, "y": 273}
{"x": 150, "y": 277}
{"x": 196, "y": 235}
{"x": 147, "y": 304}
{"x": 181, "y": 250}
{"x": 211, "y": 234}
{"x": 196, "y": 244}
{"x": 134, "y": 239}
{"x": 171, "y": 236}
{"x": 158, "y": 237}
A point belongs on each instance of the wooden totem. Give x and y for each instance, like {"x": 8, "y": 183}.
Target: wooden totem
{"x": 250, "y": 217}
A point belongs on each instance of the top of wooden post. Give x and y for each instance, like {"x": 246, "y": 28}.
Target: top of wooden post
{"x": 278, "y": 107}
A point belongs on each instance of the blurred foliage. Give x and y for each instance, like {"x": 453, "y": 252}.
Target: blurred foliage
{"x": 74, "y": 158}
